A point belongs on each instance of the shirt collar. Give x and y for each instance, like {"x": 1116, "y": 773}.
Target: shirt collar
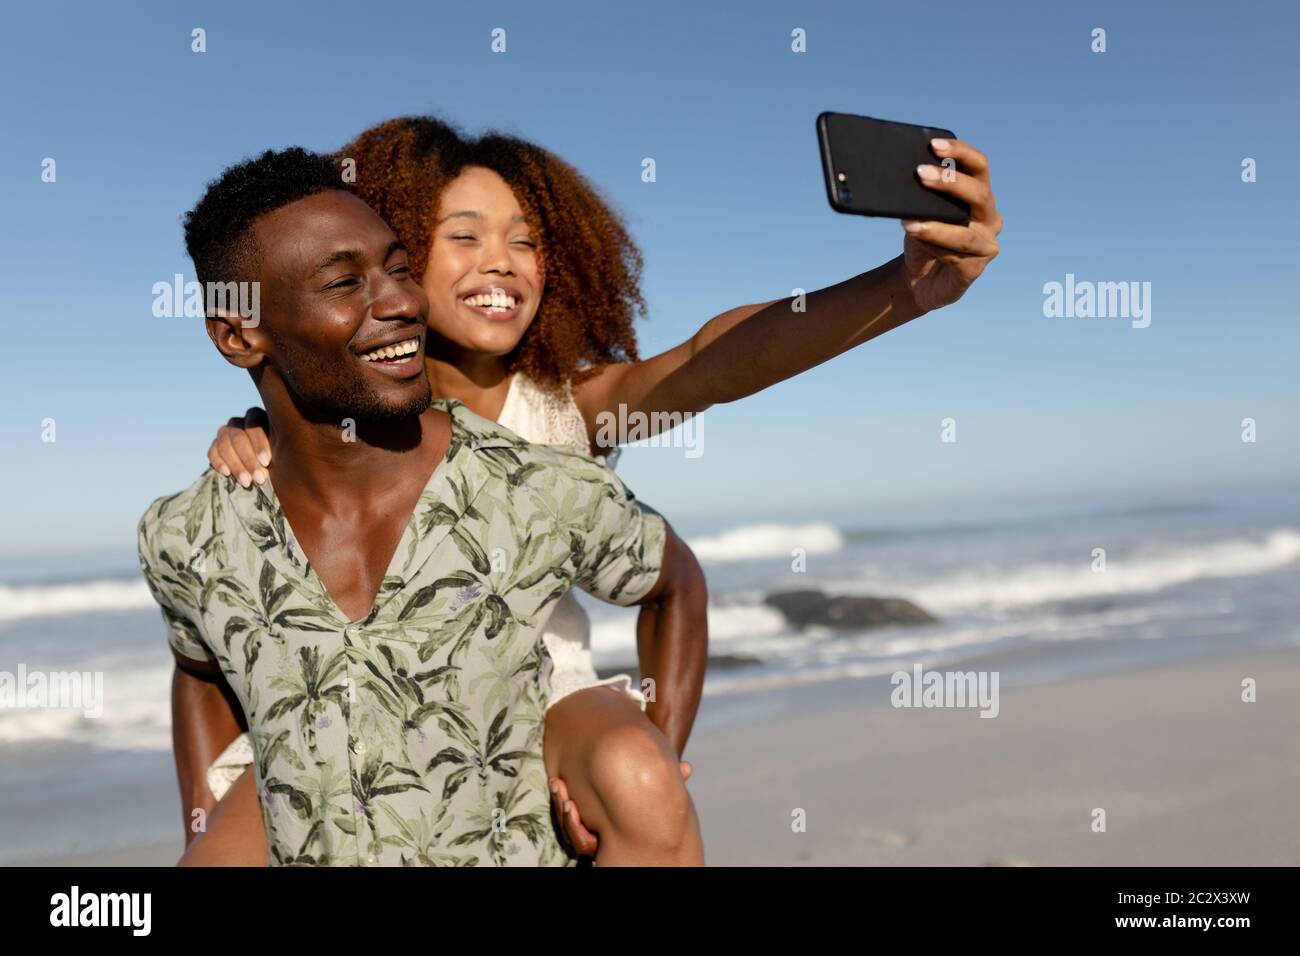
{"x": 479, "y": 451}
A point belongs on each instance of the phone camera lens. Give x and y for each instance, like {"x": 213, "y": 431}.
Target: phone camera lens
{"x": 846, "y": 195}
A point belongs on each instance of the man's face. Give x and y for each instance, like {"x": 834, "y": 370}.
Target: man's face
{"x": 344, "y": 320}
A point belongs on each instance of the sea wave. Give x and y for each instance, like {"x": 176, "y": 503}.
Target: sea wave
{"x": 1003, "y": 588}
{"x": 752, "y": 629}
{"x": 749, "y": 542}
{"x": 74, "y": 597}
{"x": 135, "y": 712}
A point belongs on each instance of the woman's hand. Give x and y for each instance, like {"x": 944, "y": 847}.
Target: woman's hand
{"x": 941, "y": 259}
{"x": 243, "y": 448}
{"x": 580, "y": 838}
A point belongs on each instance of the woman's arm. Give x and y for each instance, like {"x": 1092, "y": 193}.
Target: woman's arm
{"x": 206, "y": 717}
{"x": 747, "y": 349}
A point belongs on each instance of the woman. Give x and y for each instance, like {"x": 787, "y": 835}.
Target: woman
{"x": 487, "y": 228}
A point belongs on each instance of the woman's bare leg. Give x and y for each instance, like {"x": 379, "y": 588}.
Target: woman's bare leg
{"x": 625, "y": 778}
{"x": 235, "y": 834}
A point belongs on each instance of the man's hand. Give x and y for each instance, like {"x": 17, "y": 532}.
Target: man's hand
{"x": 580, "y": 838}
{"x": 941, "y": 259}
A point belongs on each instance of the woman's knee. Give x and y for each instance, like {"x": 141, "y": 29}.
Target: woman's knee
{"x": 637, "y": 775}
{"x": 234, "y": 835}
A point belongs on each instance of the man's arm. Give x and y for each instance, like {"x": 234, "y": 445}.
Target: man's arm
{"x": 673, "y": 640}
{"x": 631, "y": 555}
{"x": 206, "y": 717}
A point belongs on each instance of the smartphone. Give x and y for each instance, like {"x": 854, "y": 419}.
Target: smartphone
{"x": 870, "y": 166}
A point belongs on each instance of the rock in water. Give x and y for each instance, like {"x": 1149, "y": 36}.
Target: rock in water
{"x": 808, "y": 608}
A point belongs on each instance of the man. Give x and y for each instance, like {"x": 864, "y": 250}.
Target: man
{"x": 377, "y": 611}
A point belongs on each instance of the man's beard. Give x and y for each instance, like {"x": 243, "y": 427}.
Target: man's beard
{"x": 363, "y": 406}
{"x": 322, "y": 394}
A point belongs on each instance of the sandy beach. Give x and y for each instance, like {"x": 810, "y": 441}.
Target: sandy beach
{"x": 1187, "y": 773}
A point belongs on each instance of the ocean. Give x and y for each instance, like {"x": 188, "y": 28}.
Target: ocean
{"x": 1017, "y": 589}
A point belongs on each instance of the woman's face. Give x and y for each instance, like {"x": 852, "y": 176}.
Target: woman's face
{"x": 483, "y": 277}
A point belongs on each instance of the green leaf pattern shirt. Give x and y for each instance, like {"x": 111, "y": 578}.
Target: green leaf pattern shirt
{"x": 412, "y": 737}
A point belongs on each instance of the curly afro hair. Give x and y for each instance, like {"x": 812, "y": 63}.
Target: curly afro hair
{"x": 400, "y": 168}
{"x": 592, "y": 267}
{"x": 218, "y": 231}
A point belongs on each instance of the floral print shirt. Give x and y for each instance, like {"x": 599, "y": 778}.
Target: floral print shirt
{"x": 413, "y": 736}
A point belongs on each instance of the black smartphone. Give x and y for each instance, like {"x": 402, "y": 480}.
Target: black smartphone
{"x": 870, "y": 166}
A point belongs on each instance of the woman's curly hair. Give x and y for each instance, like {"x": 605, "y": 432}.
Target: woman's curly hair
{"x": 592, "y": 268}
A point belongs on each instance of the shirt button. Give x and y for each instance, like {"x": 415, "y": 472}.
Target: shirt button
{"x": 371, "y": 860}
{"x": 359, "y": 746}
{"x": 351, "y": 631}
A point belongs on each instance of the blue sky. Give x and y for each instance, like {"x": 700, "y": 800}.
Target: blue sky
{"x": 1121, "y": 166}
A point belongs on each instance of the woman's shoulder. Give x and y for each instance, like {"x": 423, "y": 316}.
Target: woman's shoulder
{"x": 544, "y": 417}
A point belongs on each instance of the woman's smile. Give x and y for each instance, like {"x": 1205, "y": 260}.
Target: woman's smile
{"x": 498, "y": 303}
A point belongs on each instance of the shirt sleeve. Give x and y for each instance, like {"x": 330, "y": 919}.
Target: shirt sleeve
{"x": 620, "y": 551}
{"x": 183, "y": 635}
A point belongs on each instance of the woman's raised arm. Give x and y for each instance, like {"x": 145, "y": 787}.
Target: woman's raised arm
{"x": 746, "y": 349}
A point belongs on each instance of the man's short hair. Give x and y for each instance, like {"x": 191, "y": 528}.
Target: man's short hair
{"x": 218, "y": 231}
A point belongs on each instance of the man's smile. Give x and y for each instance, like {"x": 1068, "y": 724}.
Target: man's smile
{"x": 400, "y": 359}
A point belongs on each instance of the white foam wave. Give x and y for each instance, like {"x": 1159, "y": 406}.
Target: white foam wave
{"x": 733, "y": 629}
{"x": 135, "y": 713}
{"x": 1000, "y": 588}
{"x": 78, "y": 597}
{"x": 767, "y": 541}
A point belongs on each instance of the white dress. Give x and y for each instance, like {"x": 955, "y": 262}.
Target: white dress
{"x": 537, "y": 416}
